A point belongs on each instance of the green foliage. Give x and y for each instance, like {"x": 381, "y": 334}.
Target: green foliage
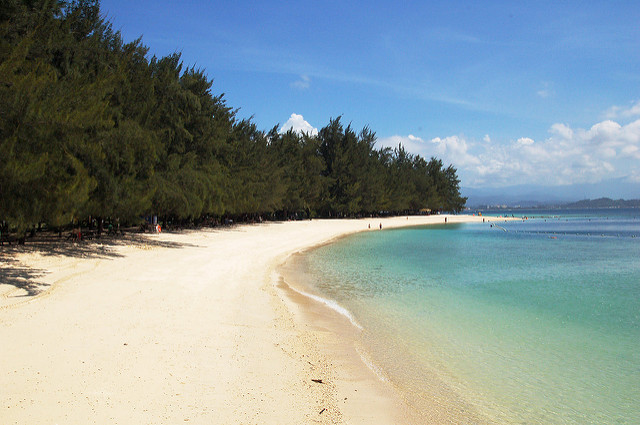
{"x": 43, "y": 134}
{"x": 89, "y": 125}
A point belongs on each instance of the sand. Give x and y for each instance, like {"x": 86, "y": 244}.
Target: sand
{"x": 193, "y": 327}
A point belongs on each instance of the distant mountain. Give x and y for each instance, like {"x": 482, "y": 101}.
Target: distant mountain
{"x": 604, "y": 203}
{"x": 528, "y": 196}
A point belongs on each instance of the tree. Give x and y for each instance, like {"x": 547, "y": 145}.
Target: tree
{"x": 90, "y": 126}
{"x": 44, "y": 128}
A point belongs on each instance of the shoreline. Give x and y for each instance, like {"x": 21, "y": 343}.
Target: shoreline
{"x": 357, "y": 364}
{"x": 191, "y": 327}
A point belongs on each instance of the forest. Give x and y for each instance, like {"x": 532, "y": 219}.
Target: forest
{"x": 93, "y": 126}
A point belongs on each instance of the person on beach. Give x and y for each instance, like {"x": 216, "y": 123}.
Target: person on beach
{"x": 76, "y": 235}
{"x": 380, "y": 226}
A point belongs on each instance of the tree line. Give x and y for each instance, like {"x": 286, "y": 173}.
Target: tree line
{"x": 90, "y": 125}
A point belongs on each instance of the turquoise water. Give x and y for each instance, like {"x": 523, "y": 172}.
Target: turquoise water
{"x": 534, "y": 321}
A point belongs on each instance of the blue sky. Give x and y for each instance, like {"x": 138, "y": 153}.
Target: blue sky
{"x": 509, "y": 92}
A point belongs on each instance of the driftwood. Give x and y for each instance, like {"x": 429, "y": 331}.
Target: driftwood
{"x": 318, "y": 381}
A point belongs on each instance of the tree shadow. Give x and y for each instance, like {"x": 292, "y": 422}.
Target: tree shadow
{"x": 25, "y": 278}
{"x": 103, "y": 247}
{"x": 13, "y": 273}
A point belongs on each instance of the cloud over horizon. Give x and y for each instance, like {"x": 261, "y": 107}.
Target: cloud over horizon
{"x": 606, "y": 150}
{"x": 298, "y": 124}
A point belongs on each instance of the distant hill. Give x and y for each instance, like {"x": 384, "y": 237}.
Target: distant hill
{"x": 604, "y": 203}
{"x": 583, "y": 204}
{"x": 534, "y": 196}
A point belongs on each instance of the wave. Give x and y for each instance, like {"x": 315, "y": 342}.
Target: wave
{"x": 332, "y": 305}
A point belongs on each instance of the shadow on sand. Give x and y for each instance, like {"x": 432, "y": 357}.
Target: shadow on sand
{"x": 13, "y": 273}
{"x": 25, "y": 278}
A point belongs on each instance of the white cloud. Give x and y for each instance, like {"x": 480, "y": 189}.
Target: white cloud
{"x": 449, "y": 147}
{"x": 634, "y": 177}
{"x": 603, "y": 131}
{"x": 298, "y": 124}
{"x": 562, "y": 130}
{"x": 616, "y": 112}
{"x": 486, "y": 138}
{"x": 525, "y": 141}
{"x": 411, "y": 143}
{"x": 630, "y": 151}
{"x": 455, "y": 147}
{"x": 634, "y": 111}
{"x": 303, "y": 83}
{"x": 606, "y": 150}
{"x": 612, "y": 113}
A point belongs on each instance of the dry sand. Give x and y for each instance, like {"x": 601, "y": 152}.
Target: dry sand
{"x": 195, "y": 327}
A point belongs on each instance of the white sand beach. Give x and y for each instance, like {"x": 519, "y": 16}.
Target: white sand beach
{"x": 193, "y": 327}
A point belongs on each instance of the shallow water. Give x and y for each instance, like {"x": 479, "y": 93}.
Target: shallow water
{"x": 534, "y": 321}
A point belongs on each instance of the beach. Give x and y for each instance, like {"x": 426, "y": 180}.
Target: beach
{"x": 189, "y": 327}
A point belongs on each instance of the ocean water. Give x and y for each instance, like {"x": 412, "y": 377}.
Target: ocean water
{"x": 529, "y": 321}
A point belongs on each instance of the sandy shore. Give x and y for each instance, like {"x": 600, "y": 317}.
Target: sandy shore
{"x": 195, "y": 327}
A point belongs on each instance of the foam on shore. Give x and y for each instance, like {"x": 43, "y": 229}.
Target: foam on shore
{"x": 333, "y": 305}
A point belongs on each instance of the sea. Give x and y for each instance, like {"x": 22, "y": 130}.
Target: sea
{"x": 533, "y": 321}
